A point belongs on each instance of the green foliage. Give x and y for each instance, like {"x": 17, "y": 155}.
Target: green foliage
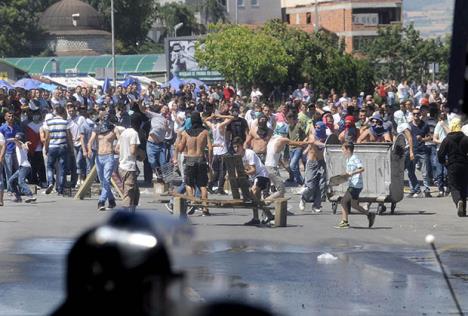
{"x": 133, "y": 20}
{"x": 172, "y": 14}
{"x": 212, "y": 11}
{"x": 280, "y": 55}
{"x": 401, "y": 53}
{"x": 19, "y": 31}
{"x": 245, "y": 56}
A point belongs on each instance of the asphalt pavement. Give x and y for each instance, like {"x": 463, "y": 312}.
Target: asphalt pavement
{"x": 380, "y": 271}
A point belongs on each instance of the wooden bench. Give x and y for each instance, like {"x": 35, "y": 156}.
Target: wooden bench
{"x": 238, "y": 181}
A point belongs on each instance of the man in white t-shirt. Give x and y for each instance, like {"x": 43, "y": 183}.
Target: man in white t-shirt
{"x": 127, "y": 147}
{"x": 257, "y": 172}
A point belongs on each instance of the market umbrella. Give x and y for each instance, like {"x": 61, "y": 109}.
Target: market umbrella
{"x": 6, "y": 85}
{"x": 174, "y": 83}
{"x": 27, "y": 84}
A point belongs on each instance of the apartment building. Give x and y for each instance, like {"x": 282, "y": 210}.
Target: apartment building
{"x": 356, "y": 21}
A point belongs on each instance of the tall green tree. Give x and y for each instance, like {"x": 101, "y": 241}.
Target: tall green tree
{"x": 133, "y": 20}
{"x": 172, "y": 14}
{"x": 244, "y": 56}
{"x": 401, "y": 53}
{"x": 213, "y": 11}
{"x": 18, "y": 27}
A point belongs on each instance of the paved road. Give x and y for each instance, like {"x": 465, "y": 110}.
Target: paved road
{"x": 385, "y": 270}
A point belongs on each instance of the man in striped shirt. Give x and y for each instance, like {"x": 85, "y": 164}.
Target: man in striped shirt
{"x": 57, "y": 146}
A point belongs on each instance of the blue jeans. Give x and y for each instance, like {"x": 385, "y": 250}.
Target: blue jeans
{"x": 315, "y": 181}
{"x": 105, "y": 168}
{"x": 89, "y": 163}
{"x": 410, "y": 167}
{"x": 17, "y": 182}
{"x": 9, "y": 166}
{"x": 156, "y": 155}
{"x": 295, "y": 158}
{"x": 57, "y": 154}
{"x": 438, "y": 172}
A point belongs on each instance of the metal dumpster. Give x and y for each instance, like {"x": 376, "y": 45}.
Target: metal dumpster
{"x": 384, "y": 165}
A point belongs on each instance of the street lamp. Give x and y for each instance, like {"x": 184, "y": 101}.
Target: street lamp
{"x": 114, "y": 73}
{"x": 176, "y": 27}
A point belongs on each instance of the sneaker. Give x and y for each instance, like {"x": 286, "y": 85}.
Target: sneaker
{"x": 461, "y": 209}
{"x": 317, "y": 210}
{"x": 112, "y": 204}
{"x": 302, "y": 205}
{"x": 441, "y": 194}
{"x": 427, "y": 194}
{"x": 371, "y": 218}
{"x": 210, "y": 190}
{"x": 414, "y": 195}
{"x": 268, "y": 219}
{"x": 49, "y": 189}
{"x": 101, "y": 206}
{"x": 342, "y": 224}
{"x": 30, "y": 199}
{"x": 252, "y": 222}
{"x": 221, "y": 192}
{"x": 191, "y": 210}
{"x": 206, "y": 213}
{"x": 169, "y": 208}
{"x": 17, "y": 200}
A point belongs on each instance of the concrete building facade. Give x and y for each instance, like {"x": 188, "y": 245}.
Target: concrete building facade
{"x": 357, "y": 21}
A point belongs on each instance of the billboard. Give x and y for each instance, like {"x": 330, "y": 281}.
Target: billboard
{"x": 181, "y": 62}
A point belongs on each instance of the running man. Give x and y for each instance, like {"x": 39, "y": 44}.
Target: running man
{"x": 354, "y": 170}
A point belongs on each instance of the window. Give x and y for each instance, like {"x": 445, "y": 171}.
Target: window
{"x": 360, "y": 43}
{"x": 374, "y": 16}
{"x": 240, "y": 3}
{"x": 288, "y": 18}
{"x": 308, "y": 18}
{"x": 254, "y": 3}
{"x": 298, "y": 18}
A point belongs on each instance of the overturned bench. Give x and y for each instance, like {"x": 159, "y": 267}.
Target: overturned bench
{"x": 280, "y": 206}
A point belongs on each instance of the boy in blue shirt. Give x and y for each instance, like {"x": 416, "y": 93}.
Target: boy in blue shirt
{"x": 354, "y": 170}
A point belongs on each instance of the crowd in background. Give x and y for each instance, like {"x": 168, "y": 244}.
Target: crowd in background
{"x": 60, "y": 132}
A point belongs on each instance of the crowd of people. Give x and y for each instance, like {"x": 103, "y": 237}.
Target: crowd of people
{"x": 46, "y": 137}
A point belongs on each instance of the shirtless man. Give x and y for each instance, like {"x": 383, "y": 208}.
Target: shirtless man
{"x": 274, "y": 149}
{"x": 259, "y": 136}
{"x": 105, "y": 135}
{"x": 315, "y": 173}
{"x": 193, "y": 143}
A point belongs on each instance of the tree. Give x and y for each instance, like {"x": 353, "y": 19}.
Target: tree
{"x": 19, "y": 31}
{"x": 213, "y": 11}
{"x": 172, "y": 14}
{"x": 133, "y": 20}
{"x": 244, "y": 56}
{"x": 401, "y": 53}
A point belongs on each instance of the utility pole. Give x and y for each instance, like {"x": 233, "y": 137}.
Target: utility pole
{"x": 317, "y": 26}
{"x": 114, "y": 72}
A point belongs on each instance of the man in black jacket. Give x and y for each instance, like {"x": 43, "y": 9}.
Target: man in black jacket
{"x": 453, "y": 153}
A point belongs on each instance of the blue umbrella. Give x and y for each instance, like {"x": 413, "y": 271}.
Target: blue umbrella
{"x": 27, "y": 84}
{"x": 174, "y": 83}
{"x": 48, "y": 87}
{"x": 6, "y": 85}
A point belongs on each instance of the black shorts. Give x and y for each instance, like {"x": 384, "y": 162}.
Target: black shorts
{"x": 196, "y": 172}
{"x": 262, "y": 183}
{"x": 354, "y": 192}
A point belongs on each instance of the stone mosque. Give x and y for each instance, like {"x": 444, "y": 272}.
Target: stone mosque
{"x": 74, "y": 28}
